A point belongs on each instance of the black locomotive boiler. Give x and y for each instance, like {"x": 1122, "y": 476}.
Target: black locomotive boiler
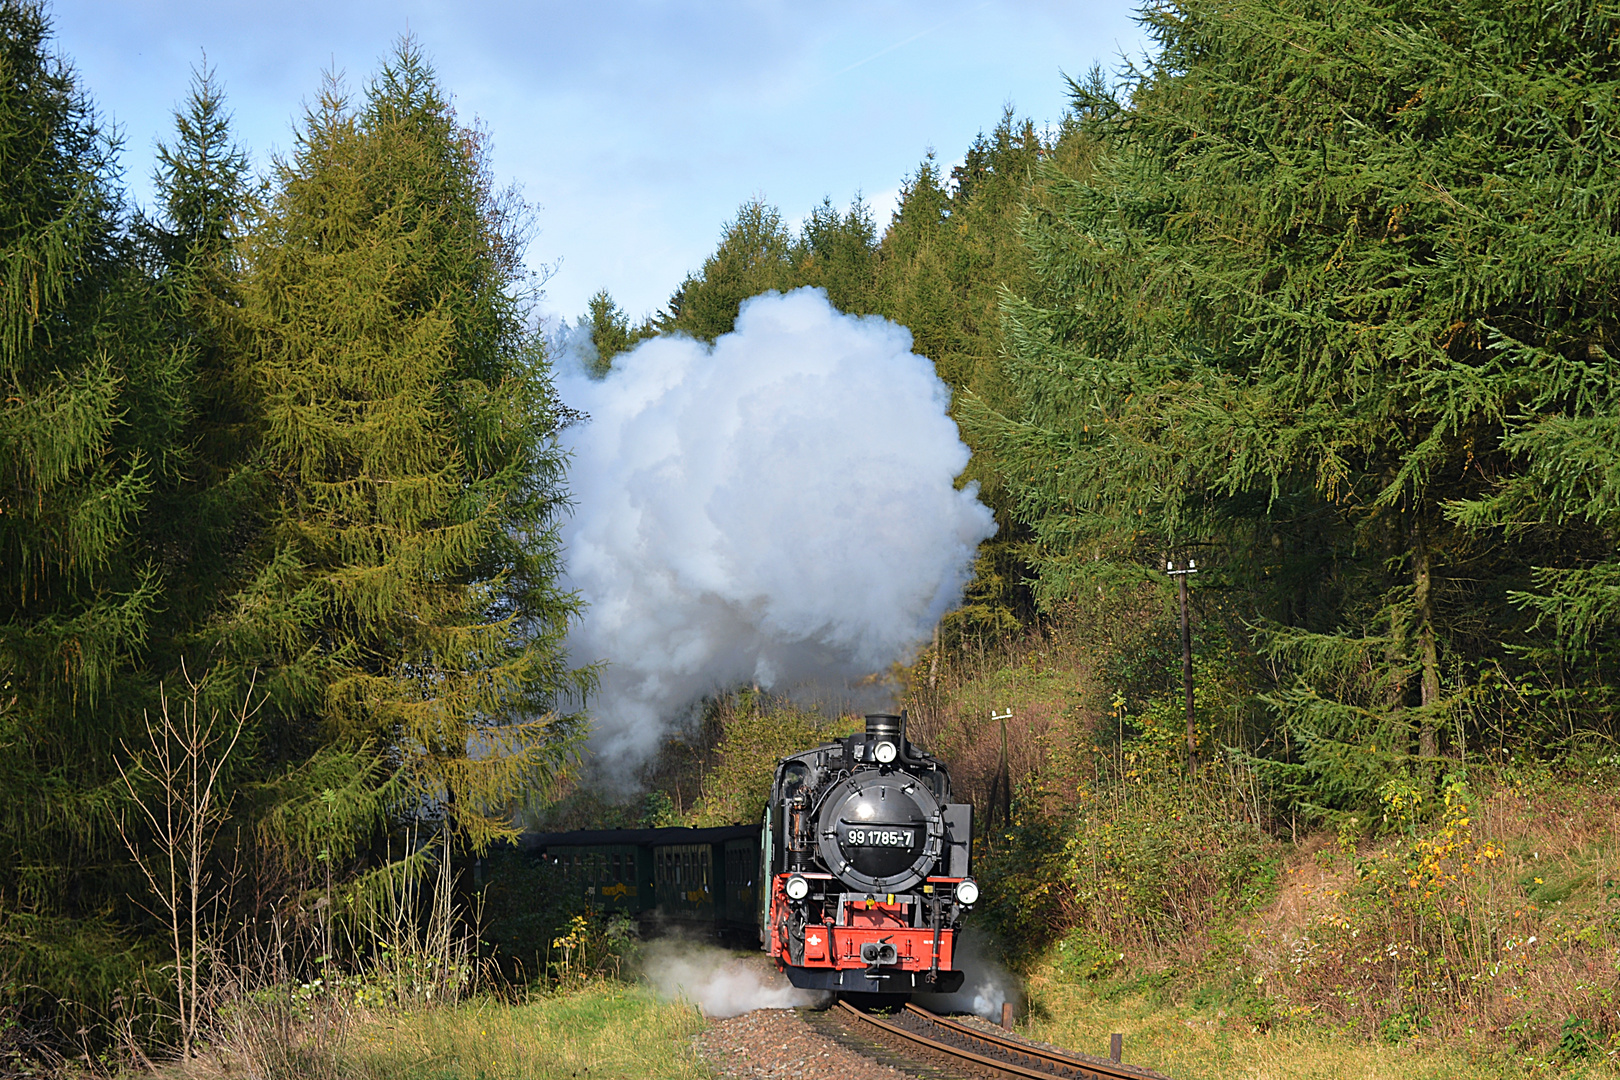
{"x": 865, "y": 862}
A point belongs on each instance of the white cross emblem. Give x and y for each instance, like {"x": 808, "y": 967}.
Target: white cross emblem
{"x": 814, "y": 940}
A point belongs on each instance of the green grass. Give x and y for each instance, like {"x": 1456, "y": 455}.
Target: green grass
{"x": 604, "y": 1032}
{"x": 1213, "y": 1043}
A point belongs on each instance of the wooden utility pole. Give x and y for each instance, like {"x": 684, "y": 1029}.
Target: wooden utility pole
{"x": 1181, "y": 574}
{"x": 1002, "y": 786}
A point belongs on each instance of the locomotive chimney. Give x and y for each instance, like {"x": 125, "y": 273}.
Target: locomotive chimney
{"x": 886, "y": 726}
{"x": 887, "y": 729}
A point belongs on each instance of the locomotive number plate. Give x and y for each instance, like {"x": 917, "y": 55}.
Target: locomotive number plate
{"x": 900, "y": 838}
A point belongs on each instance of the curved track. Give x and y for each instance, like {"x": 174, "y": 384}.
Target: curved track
{"x": 939, "y": 1040}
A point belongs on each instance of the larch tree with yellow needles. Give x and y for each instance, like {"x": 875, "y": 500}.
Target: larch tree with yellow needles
{"x": 406, "y": 595}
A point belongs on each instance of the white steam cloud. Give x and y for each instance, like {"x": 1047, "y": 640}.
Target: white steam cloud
{"x": 720, "y": 983}
{"x": 778, "y": 508}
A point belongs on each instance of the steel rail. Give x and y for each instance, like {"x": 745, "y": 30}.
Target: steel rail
{"x": 1054, "y": 1059}
{"x": 996, "y": 1055}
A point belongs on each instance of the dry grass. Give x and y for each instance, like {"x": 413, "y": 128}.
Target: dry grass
{"x": 1047, "y": 680}
{"x": 1496, "y": 920}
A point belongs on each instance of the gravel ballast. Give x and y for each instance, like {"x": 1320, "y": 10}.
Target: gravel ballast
{"x": 778, "y": 1044}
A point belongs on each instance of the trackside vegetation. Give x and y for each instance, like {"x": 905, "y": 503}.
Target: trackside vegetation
{"x": 1324, "y": 296}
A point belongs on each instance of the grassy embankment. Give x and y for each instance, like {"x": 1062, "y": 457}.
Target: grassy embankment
{"x": 604, "y": 1030}
{"x": 1464, "y": 926}
{"x": 1190, "y": 1042}
{"x": 607, "y": 1030}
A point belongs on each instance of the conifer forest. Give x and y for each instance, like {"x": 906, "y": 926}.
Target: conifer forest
{"x": 1323, "y": 298}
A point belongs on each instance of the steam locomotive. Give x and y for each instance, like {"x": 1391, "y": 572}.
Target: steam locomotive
{"x": 855, "y": 882}
{"x": 866, "y": 863}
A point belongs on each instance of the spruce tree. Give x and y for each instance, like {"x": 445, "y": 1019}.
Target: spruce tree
{"x": 610, "y": 330}
{"x": 913, "y": 285}
{"x": 1331, "y": 269}
{"x": 206, "y": 195}
{"x": 838, "y": 253}
{"x": 755, "y": 256}
{"x": 91, "y": 407}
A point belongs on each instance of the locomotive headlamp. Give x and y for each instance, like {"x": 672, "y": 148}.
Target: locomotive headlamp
{"x": 798, "y": 888}
{"x": 967, "y": 892}
{"x": 885, "y": 752}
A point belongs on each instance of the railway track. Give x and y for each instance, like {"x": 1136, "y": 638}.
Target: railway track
{"x": 961, "y": 1049}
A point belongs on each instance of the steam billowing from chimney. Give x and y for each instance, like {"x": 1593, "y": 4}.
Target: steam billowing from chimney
{"x": 778, "y": 508}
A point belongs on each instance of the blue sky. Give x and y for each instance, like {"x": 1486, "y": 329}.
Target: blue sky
{"x": 636, "y": 128}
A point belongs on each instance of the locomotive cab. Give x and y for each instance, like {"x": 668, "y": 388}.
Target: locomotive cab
{"x": 866, "y": 861}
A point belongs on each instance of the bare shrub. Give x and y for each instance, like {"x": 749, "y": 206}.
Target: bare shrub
{"x": 417, "y": 945}
{"x": 173, "y": 782}
{"x": 278, "y": 1010}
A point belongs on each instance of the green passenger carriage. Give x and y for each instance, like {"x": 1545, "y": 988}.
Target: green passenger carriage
{"x": 700, "y": 880}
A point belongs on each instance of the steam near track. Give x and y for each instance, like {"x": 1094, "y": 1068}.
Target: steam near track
{"x": 720, "y": 983}
{"x": 778, "y": 508}
{"x": 987, "y": 986}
